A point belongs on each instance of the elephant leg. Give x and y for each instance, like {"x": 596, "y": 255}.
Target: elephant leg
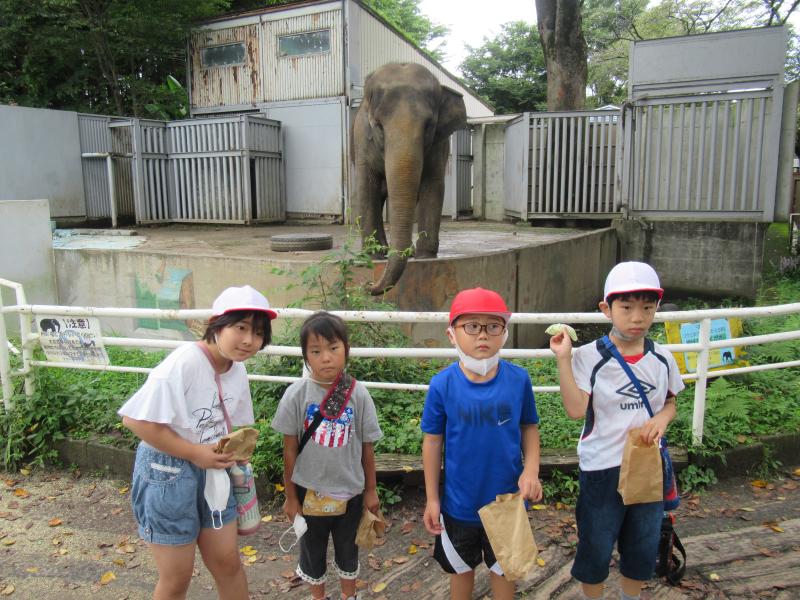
{"x": 431, "y": 199}
{"x": 370, "y": 205}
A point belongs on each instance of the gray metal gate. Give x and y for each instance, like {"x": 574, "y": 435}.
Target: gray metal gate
{"x": 458, "y": 176}
{"x": 562, "y": 164}
{"x": 221, "y": 170}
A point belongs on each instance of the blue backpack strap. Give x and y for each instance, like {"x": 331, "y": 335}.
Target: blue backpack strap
{"x": 609, "y": 345}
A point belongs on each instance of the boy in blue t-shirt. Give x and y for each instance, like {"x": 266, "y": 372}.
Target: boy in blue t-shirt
{"x": 482, "y": 413}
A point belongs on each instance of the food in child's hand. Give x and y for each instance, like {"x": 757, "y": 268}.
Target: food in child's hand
{"x": 557, "y": 328}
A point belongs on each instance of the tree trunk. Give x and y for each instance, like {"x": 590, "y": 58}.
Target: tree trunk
{"x": 561, "y": 34}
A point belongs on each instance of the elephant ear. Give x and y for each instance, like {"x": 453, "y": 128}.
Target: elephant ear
{"x": 452, "y": 114}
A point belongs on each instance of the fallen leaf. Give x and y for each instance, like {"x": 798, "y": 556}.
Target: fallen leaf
{"x": 54, "y": 522}
{"x": 714, "y": 577}
{"x": 21, "y": 493}
{"x": 776, "y": 529}
{"x": 56, "y": 541}
{"x": 62, "y": 551}
{"x": 9, "y": 542}
{"x": 279, "y": 487}
{"x": 7, "y": 591}
{"x": 124, "y": 490}
{"x": 407, "y": 469}
{"x": 287, "y": 574}
{"x": 741, "y": 438}
{"x": 249, "y": 551}
{"x": 32, "y": 569}
{"x": 107, "y": 578}
{"x": 401, "y": 559}
{"x": 379, "y": 587}
{"x": 759, "y": 483}
{"x": 539, "y": 507}
{"x": 796, "y": 472}
{"x": 540, "y": 562}
{"x": 250, "y": 560}
{"x": 25, "y": 472}
{"x": 119, "y": 562}
{"x": 116, "y": 511}
{"x": 266, "y": 518}
{"x": 412, "y": 549}
{"x": 407, "y": 527}
{"x": 747, "y": 509}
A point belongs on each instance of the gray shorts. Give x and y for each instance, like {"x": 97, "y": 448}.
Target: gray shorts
{"x": 167, "y": 498}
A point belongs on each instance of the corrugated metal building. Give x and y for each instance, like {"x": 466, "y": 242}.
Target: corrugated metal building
{"x": 304, "y": 65}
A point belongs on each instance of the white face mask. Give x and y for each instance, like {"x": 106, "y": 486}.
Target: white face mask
{"x": 479, "y": 366}
{"x": 217, "y": 491}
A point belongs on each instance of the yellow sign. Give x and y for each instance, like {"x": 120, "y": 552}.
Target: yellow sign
{"x": 719, "y": 358}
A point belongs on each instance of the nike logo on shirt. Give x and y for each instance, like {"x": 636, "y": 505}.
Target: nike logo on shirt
{"x": 503, "y": 422}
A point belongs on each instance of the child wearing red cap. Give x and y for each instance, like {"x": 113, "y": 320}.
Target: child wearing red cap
{"x": 181, "y": 494}
{"x": 595, "y": 386}
{"x": 481, "y": 412}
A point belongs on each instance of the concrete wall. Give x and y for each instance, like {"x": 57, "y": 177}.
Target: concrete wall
{"x": 708, "y": 258}
{"x": 26, "y": 252}
{"x": 488, "y": 143}
{"x": 40, "y": 157}
{"x": 559, "y": 276}
{"x": 555, "y": 275}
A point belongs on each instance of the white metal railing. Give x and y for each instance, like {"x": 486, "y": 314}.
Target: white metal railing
{"x": 703, "y": 346}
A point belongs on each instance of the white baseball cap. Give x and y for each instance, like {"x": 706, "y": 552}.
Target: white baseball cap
{"x": 628, "y": 277}
{"x": 241, "y": 298}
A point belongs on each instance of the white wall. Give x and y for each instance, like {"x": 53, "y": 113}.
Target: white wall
{"x": 26, "y": 252}
{"x": 40, "y": 157}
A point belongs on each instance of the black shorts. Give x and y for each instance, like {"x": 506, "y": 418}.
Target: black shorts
{"x": 460, "y": 548}
{"x": 313, "y": 562}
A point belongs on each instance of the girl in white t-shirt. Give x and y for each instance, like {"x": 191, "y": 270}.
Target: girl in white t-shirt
{"x": 179, "y": 416}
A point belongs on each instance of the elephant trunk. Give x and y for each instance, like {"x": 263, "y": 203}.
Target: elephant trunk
{"x": 403, "y": 174}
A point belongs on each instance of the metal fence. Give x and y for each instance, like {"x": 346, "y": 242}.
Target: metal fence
{"x": 703, "y": 154}
{"x": 220, "y": 170}
{"x": 704, "y": 345}
{"x": 562, "y": 164}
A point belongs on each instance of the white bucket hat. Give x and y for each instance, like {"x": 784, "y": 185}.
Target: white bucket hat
{"x": 628, "y": 277}
{"x": 241, "y": 298}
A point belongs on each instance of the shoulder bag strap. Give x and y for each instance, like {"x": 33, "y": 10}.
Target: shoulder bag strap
{"x": 609, "y": 345}
{"x": 210, "y": 358}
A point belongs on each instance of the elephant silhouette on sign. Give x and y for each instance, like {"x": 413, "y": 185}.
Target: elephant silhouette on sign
{"x": 50, "y": 325}
{"x": 399, "y": 146}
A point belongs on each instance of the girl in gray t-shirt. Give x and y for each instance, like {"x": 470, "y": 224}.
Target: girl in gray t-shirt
{"x": 329, "y": 426}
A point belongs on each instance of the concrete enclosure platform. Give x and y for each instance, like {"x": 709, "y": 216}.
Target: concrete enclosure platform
{"x": 535, "y": 269}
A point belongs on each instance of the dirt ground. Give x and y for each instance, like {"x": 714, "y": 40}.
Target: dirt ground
{"x": 72, "y": 536}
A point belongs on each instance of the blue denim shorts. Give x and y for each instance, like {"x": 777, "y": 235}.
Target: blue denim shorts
{"x": 167, "y": 498}
{"x": 603, "y": 520}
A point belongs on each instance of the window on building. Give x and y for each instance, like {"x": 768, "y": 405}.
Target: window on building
{"x": 222, "y": 56}
{"x": 311, "y": 42}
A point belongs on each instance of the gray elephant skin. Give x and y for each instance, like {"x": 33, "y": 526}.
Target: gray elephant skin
{"x": 399, "y": 146}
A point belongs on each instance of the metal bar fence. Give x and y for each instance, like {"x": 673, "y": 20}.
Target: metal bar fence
{"x": 701, "y": 376}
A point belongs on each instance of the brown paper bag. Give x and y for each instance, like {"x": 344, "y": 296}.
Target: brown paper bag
{"x": 506, "y": 523}
{"x": 241, "y": 442}
{"x": 640, "y": 476}
{"x": 370, "y": 528}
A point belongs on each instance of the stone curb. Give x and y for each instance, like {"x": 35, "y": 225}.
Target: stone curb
{"x": 88, "y": 454}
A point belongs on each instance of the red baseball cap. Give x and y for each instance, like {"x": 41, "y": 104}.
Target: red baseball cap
{"x": 478, "y": 301}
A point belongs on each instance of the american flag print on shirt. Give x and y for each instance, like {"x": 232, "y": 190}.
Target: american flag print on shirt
{"x": 332, "y": 434}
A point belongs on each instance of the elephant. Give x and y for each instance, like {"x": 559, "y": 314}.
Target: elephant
{"x": 399, "y": 147}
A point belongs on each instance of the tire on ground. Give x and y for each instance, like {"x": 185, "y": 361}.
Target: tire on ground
{"x": 293, "y": 242}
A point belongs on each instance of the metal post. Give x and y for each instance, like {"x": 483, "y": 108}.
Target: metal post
{"x": 700, "y": 384}
{"x": 111, "y": 197}
{"x": 5, "y": 364}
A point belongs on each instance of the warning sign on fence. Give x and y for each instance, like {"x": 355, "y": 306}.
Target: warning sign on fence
{"x": 72, "y": 339}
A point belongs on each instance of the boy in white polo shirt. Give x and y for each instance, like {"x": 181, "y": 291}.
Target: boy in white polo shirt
{"x": 594, "y": 386}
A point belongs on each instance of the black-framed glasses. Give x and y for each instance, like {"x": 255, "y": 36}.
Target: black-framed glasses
{"x": 473, "y": 328}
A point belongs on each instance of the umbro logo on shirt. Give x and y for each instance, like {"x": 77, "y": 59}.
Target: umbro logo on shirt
{"x": 630, "y": 391}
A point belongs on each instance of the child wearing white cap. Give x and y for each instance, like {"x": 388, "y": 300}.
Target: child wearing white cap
{"x": 596, "y": 387}
{"x": 189, "y": 401}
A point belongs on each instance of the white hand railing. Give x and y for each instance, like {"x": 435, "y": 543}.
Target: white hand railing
{"x": 703, "y": 346}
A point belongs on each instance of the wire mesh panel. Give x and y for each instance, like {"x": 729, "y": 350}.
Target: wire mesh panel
{"x": 701, "y": 154}
{"x": 463, "y": 154}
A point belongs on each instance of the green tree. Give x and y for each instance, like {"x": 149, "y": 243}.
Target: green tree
{"x": 509, "y": 70}
{"x": 406, "y": 16}
{"x": 102, "y": 56}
